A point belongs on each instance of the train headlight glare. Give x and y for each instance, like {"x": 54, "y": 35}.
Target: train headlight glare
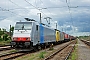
{"x": 28, "y": 38}
{"x": 15, "y": 38}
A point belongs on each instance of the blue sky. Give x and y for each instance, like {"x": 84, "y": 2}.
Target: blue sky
{"x": 74, "y": 20}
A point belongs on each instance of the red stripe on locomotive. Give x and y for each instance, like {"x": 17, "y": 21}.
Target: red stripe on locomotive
{"x": 21, "y": 39}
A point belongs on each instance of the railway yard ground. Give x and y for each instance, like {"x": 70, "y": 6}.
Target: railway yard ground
{"x": 65, "y": 51}
{"x": 83, "y": 51}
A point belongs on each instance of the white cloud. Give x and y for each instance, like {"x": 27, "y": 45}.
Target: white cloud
{"x": 80, "y": 33}
{"x": 6, "y": 24}
{"x": 68, "y": 26}
{"x": 19, "y": 9}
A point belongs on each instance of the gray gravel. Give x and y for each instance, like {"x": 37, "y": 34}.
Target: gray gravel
{"x": 83, "y": 51}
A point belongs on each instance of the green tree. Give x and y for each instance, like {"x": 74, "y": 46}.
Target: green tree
{"x": 1, "y": 32}
{"x": 0, "y": 29}
{"x": 5, "y": 37}
{"x": 11, "y": 30}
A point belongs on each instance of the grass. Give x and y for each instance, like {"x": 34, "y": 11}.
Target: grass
{"x": 30, "y": 57}
{"x": 51, "y": 48}
{"x": 13, "y": 51}
{"x": 74, "y": 54}
{"x": 41, "y": 55}
{"x": 36, "y": 56}
{"x": 5, "y": 42}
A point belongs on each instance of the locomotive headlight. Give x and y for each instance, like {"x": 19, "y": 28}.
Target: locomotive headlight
{"x": 28, "y": 38}
{"x": 15, "y": 38}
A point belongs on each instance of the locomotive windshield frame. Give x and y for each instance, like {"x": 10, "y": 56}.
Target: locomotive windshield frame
{"x": 23, "y": 26}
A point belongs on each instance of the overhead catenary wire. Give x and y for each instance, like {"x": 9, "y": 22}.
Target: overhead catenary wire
{"x": 49, "y": 17}
{"x": 17, "y": 5}
{"x": 35, "y": 7}
{"x": 48, "y": 11}
{"x": 69, "y": 11}
{"x": 36, "y": 2}
{"x": 49, "y": 7}
{"x": 21, "y": 8}
{"x": 3, "y": 9}
{"x": 46, "y": 7}
{"x": 14, "y": 3}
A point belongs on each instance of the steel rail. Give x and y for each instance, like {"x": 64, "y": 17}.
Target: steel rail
{"x": 57, "y": 52}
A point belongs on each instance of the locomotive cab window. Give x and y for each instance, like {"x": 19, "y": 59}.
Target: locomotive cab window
{"x": 23, "y": 26}
{"x": 37, "y": 27}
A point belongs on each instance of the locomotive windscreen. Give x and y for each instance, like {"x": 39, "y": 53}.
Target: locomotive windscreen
{"x": 23, "y": 26}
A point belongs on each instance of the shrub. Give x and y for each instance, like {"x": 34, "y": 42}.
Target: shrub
{"x": 1, "y": 39}
{"x": 41, "y": 55}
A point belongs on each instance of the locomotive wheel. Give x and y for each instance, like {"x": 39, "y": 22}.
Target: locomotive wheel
{"x": 35, "y": 49}
{"x": 39, "y": 47}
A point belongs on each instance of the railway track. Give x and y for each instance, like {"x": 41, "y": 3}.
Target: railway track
{"x": 4, "y": 49}
{"x": 63, "y": 53}
{"x": 86, "y": 42}
{"x": 4, "y": 45}
{"x": 13, "y": 55}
